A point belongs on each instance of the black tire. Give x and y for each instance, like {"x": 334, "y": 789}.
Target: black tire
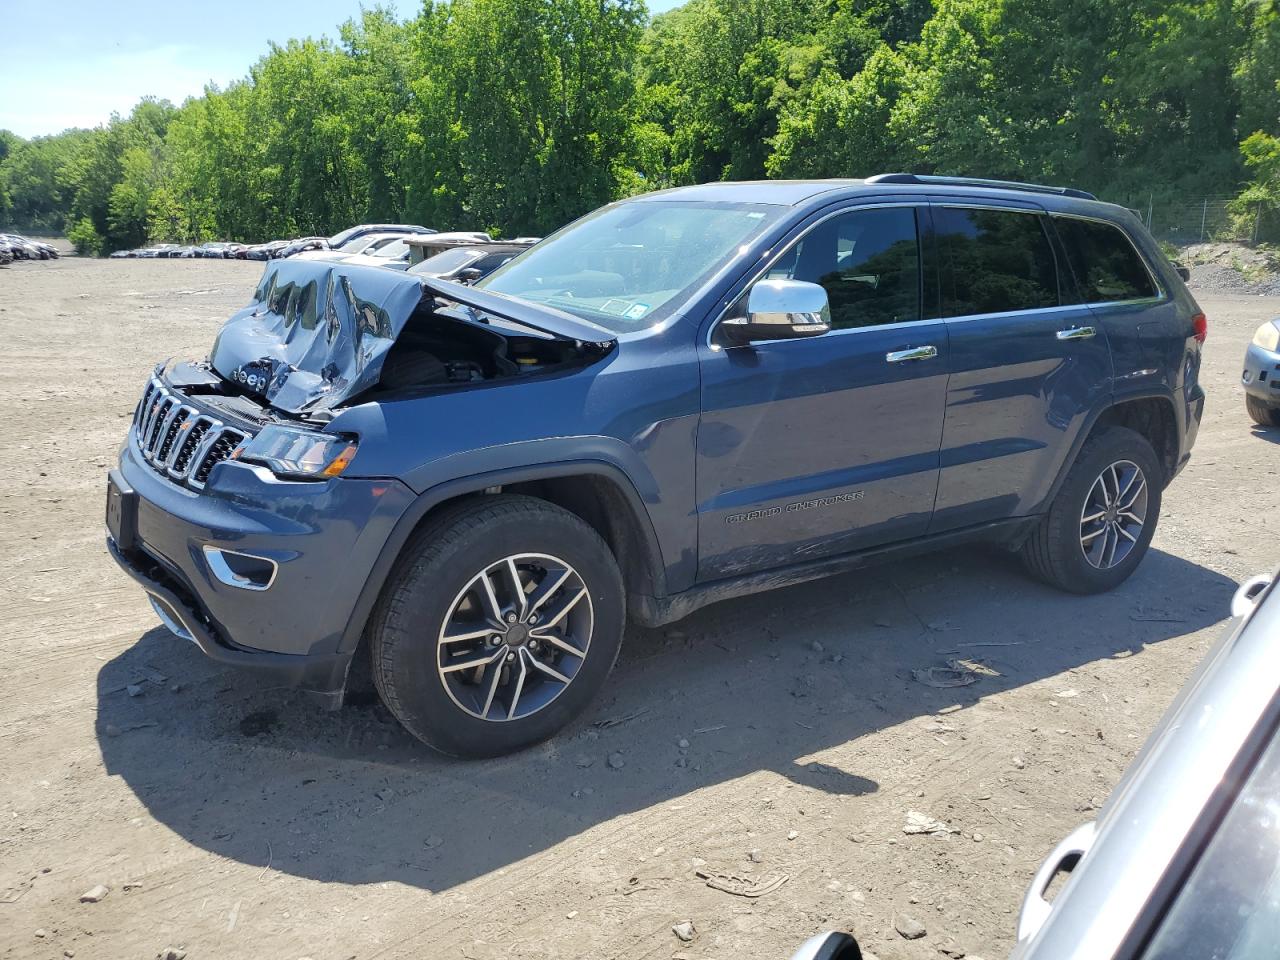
{"x": 1263, "y": 413}
{"x": 434, "y": 573}
{"x": 1054, "y": 552}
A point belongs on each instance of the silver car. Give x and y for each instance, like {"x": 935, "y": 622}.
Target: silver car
{"x": 1261, "y": 378}
{"x": 1184, "y": 860}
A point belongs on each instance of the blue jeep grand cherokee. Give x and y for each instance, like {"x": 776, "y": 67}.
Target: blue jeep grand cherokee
{"x": 678, "y": 399}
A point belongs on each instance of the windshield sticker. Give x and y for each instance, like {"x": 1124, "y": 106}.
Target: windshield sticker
{"x": 636, "y": 311}
{"x": 616, "y": 307}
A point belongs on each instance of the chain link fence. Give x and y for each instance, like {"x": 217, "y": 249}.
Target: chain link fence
{"x": 1199, "y": 219}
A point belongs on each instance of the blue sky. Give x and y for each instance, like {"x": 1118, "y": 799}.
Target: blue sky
{"x": 70, "y": 63}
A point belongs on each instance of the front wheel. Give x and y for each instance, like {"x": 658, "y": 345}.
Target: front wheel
{"x": 501, "y": 623}
{"x": 1100, "y": 524}
{"x": 1263, "y": 413}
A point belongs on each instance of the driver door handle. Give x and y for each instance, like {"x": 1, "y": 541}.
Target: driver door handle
{"x": 1077, "y": 333}
{"x": 911, "y": 353}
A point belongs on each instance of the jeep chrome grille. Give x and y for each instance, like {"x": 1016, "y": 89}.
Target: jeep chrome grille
{"x": 179, "y": 441}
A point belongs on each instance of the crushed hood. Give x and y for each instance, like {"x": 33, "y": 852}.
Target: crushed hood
{"x": 316, "y": 332}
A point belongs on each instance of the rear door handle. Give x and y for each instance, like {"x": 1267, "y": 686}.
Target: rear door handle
{"x": 1077, "y": 333}
{"x": 912, "y": 353}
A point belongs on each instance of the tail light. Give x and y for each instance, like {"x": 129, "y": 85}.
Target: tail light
{"x": 1200, "y": 327}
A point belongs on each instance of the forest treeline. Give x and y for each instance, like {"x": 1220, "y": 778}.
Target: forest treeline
{"x": 518, "y": 115}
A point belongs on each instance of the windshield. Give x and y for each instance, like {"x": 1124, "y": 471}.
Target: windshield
{"x": 446, "y": 262}
{"x": 625, "y": 267}
{"x": 354, "y": 245}
{"x": 392, "y": 249}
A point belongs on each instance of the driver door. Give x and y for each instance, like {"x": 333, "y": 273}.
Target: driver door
{"x": 815, "y": 447}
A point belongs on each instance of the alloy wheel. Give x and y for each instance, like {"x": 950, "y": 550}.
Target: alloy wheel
{"x": 515, "y": 637}
{"x": 1114, "y": 514}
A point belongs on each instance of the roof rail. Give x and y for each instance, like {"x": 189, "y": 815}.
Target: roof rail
{"x": 933, "y": 181}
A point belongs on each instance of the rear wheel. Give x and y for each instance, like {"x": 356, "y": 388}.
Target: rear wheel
{"x": 1263, "y": 413}
{"x": 502, "y": 622}
{"x": 1101, "y": 523}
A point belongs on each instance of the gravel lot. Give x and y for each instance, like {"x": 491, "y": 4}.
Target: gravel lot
{"x": 232, "y": 819}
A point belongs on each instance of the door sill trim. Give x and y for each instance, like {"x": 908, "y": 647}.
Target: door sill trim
{"x": 657, "y": 611}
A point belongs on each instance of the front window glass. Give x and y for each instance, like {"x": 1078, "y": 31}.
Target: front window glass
{"x": 627, "y": 266}
{"x": 445, "y": 262}
{"x": 1229, "y": 908}
{"x": 867, "y": 260}
{"x": 997, "y": 261}
{"x": 1104, "y": 261}
{"x": 392, "y": 250}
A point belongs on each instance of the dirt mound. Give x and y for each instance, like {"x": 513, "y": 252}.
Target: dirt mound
{"x": 1232, "y": 268}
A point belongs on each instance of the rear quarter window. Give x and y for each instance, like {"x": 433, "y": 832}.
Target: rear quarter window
{"x": 1106, "y": 265}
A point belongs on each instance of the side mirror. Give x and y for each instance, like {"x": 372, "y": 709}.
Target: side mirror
{"x": 469, "y": 275}
{"x": 781, "y": 310}
{"x": 1183, "y": 271}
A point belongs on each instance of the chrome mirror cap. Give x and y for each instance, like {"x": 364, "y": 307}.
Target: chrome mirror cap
{"x": 781, "y": 310}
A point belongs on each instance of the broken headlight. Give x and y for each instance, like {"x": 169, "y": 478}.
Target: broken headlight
{"x": 300, "y": 454}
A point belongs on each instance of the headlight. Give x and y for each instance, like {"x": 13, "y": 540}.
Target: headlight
{"x": 290, "y": 452}
{"x": 1267, "y": 336}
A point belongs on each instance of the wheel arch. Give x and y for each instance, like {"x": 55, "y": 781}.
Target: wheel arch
{"x": 1153, "y": 415}
{"x": 597, "y": 492}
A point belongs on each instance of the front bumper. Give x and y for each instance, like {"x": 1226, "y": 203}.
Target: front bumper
{"x": 1261, "y": 377}
{"x": 319, "y": 539}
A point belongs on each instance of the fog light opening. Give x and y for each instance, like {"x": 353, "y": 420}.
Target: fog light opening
{"x": 241, "y": 570}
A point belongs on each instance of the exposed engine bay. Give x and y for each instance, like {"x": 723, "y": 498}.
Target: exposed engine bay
{"x": 438, "y": 347}
{"x": 319, "y": 336}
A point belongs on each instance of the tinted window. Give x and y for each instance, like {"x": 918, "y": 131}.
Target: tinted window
{"x": 1105, "y": 264}
{"x": 997, "y": 261}
{"x": 1229, "y": 908}
{"x": 868, "y": 261}
{"x": 445, "y": 262}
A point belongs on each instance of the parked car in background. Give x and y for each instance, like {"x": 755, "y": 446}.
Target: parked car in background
{"x": 213, "y": 250}
{"x": 17, "y": 247}
{"x": 420, "y": 248}
{"x": 303, "y": 244}
{"x": 393, "y": 255}
{"x": 338, "y": 239}
{"x": 365, "y": 243}
{"x": 737, "y": 386}
{"x": 1261, "y": 378}
{"x": 469, "y": 263}
{"x": 265, "y": 251}
{"x": 20, "y": 248}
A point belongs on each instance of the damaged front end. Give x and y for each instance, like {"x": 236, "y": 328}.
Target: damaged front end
{"x": 319, "y": 335}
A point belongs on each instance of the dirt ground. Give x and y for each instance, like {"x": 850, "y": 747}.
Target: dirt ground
{"x": 232, "y": 819}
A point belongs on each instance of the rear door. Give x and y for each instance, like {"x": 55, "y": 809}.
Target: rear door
{"x": 1144, "y": 327}
{"x": 1027, "y": 362}
{"x": 814, "y": 447}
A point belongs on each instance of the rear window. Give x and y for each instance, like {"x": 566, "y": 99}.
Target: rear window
{"x": 996, "y": 261}
{"x": 1106, "y": 266}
